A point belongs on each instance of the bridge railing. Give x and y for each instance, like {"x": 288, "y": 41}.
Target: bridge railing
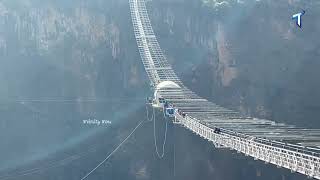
{"x": 292, "y": 147}
{"x": 281, "y": 156}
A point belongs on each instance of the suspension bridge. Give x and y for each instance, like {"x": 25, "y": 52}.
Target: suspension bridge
{"x": 287, "y": 146}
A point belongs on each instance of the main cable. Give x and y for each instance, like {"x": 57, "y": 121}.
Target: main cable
{"x": 114, "y": 151}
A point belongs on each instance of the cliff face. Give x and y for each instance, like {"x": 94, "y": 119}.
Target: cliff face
{"x": 78, "y": 39}
{"x": 276, "y": 63}
{"x": 252, "y": 54}
{"x": 247, "y": 56}
{"x": 55, "y": 56}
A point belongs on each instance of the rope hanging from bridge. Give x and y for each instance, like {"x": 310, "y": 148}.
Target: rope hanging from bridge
{"x": 160, "y": 156}
{"x": 174, "y": 150}
{"x": 114, "y": 151}
{"x": 66, "y": 161}
{"x": 149, "y": 119}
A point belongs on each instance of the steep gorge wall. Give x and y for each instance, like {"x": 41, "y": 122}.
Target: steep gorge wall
{"x": 257, "y": 64}
{"x": 85, "y": 43}
{"x": 55, "y": 56}
{"x": 248, "y": 56}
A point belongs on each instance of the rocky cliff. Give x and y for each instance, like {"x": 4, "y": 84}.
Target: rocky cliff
{"x": 245, "y": 55}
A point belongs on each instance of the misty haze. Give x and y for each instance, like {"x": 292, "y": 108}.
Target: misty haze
{"x": 91, "y": 89}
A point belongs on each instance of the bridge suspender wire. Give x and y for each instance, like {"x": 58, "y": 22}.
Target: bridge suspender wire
{"x": 114, "y": 151}
{"x": 160, "y": 156}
